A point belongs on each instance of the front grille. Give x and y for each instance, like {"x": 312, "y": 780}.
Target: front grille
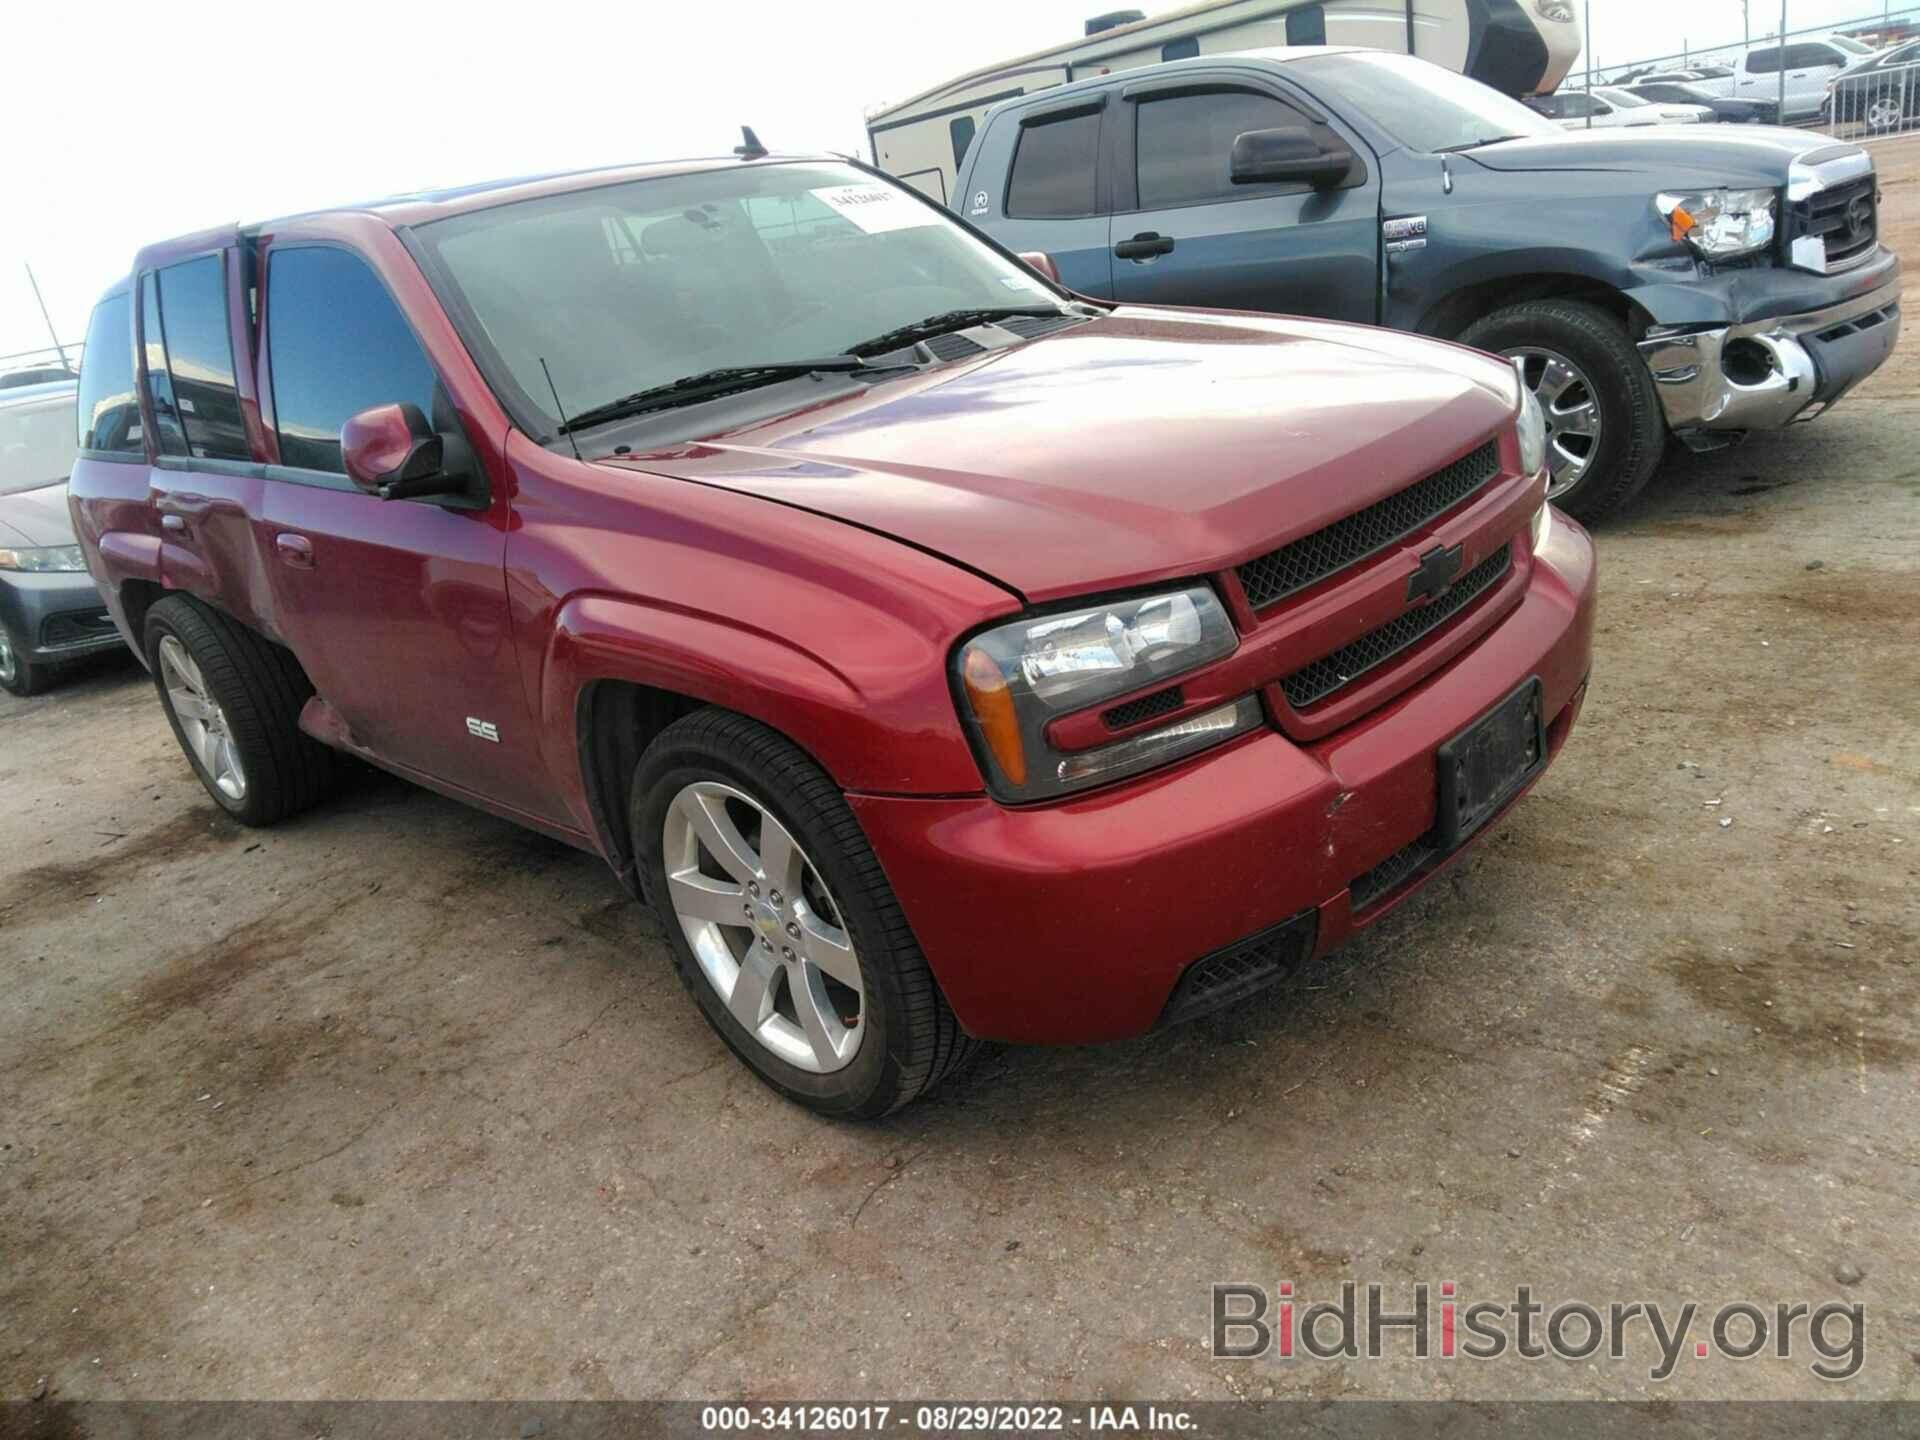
{"x": 1348, "y": 663}
{"x": 1161, "y": 702}
{"x": 76, "y": 627}
{"x": 1390, "y": 874}
{"x": 1312, "y": 558}
{"x": 1845, "y": 219}
{"x": 1226, "y": 976}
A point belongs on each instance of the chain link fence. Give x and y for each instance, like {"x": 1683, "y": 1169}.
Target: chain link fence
{"x": 1855, "y": 79}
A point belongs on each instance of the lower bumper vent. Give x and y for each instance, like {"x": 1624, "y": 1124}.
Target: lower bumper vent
{"x": 1216, "y": 981}
{"x": 1390, "y": 874}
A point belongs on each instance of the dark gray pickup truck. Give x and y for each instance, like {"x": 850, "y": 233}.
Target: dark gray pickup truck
{"x": 1691, "y": 282}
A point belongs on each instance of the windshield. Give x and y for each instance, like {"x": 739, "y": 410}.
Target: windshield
{"x": 1625, "y": 99}
{"x": 626, "y": 287}
{"x": 36, "y": 444}
{"x": 1421, "y": 105}
{"x": 1850, "y": 45}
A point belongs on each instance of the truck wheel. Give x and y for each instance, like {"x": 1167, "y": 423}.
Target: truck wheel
{"x": 781, "y": 922}
{"x": 234, "y": 703}
{"x": 18, "y": 674}
{"x": 1605, "y": 431}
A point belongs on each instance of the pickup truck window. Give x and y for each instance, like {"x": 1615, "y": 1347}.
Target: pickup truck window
{"x": 1184, "y": 145}
{"x": 193, "y": 308}
{"x": 1053, "y": 168}
{"x": 624, "y": 287}
{"x": 1764, "y": 62}
{"x": 109, "y": 412}
{"x": 336, "y": 345}
{"x": 1420, "y": 105}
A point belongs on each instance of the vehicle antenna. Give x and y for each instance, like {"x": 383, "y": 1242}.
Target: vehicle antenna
{"x": 566, "y": 427}
{"x": 750, "y": 148}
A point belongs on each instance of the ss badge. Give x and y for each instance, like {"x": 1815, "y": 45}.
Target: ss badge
{"x": 483, "y": 729}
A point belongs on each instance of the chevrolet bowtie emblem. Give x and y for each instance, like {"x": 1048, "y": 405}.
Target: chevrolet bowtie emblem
{"x": 1437, "y": 569}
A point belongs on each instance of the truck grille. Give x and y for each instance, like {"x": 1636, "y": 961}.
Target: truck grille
{"x": 1844, "y": 219}
{"x": 1335, "y": 672}
{"x": 1303, "y": 562}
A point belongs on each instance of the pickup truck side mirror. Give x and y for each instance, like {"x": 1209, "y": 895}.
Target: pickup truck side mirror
{"x": 391, "y": 451}
{"x": 1287, "y": 153}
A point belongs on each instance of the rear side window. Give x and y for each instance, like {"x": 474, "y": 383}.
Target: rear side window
{"x": 1053, "y": 168}
{"x": 1185, "y": 145}
{"x": 961, "y": 131}
{"x": 166, "y": 414}
{"x": 1811, "y": 57}
{"x": 193, "y": 314}
{"x": 336, "y": 345}
{"x": 1764, "y": 62}
{"x": 109, "y": 410}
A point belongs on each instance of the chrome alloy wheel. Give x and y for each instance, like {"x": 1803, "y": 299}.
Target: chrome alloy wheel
{"x": 8, "y": 665}
{"x": 1883, "y": 112}
{"x": 769, "y": 936}
{"x": 1572, "y": 412}
{"x": 202, "y": 720}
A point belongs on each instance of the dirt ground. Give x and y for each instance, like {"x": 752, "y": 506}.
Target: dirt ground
{"x": 401, "y": 1101}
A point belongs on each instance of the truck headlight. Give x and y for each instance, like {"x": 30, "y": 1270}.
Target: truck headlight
{"x": 1014, "y": 680}
{"x": 1530, "y": 427}
{"x": 1719, "y": 224}
{"x": 44, "y": 559}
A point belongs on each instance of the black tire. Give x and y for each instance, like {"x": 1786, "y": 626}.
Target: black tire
{"x": 910, "y": 1039}
{"x": 1633, "y": 431}
{"x": 260, "y": 689}
{"x": 19, "y": 674}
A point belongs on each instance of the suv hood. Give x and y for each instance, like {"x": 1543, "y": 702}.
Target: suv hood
{"x": 36, "y": 517}
{"x": 1746, "y": 155}
{"x": 1141, "y": 446}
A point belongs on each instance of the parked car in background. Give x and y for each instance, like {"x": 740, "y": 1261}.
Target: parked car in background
{"x": 842, "y": 582}
{"x": 1692, "y": 74}
{"x": 1804, "y": 65}
{"x": 1678, "y": 92}
{"x": 1697, "y": 281}
{"x": 1608, "y": 107}
{"x": 36, "y": 375}
{"x": 1881, "y": 92}
{"x": 1516, "y": 46}
{"x": 51, "y": 613}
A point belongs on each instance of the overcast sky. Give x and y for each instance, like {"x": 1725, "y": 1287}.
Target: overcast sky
{"x": 132, "y": 123}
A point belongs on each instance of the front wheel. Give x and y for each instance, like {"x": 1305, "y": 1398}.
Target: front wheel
{"x": 19, "y": 675}
{"x": 1605, "y": 430}
{"x": 782, "y": 924}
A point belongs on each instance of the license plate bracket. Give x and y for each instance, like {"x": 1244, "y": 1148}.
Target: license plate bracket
{"x": 1482, "y": 767}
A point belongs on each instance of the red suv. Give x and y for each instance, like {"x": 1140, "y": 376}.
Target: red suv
{"x": 944, "y": 656}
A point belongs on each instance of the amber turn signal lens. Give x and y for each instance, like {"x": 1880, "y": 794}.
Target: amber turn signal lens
{"x": 992, "y": 704}
{"x": 1683, "y": 223}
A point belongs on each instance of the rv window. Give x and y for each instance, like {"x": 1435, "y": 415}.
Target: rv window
{"x": 1053, "y": 168}
{"x": 1181, "y": 49}
{"x": 1185, "y": 145}
{"x": 962, "y": 132}
{"x": 1307, "y": 25}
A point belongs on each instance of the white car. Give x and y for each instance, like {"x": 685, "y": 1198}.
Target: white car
{"x": 1607, "y": 106}
{"x": 1807, "y": 64}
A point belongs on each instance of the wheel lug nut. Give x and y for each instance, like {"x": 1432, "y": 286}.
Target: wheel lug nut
{"x": 786, "y": 953}
{"x": 765, "y": 944}
{"x": 793, "y": 930}
{"x": 773, "y": 897}
{"x": 753, "y": 889}
{"x": 748, "y": 907}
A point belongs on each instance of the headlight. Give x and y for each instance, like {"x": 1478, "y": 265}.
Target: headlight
{"x": 44, "y": 558}
{"x": 1720, "y": 224}
{"x": 1530, "y": 427}
{"x": 1560, "y": 10}
{"x": 1013, "y": 681}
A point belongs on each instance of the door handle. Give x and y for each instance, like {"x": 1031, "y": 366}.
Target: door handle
{"x": 175, "y": 523}
{"x": 181, "y": 502}
{"x": 296, "y": 550}
{"x": 1144, "y": 246}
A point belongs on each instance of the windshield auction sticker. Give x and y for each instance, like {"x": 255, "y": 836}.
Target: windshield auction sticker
{"x": 877, "y": 209}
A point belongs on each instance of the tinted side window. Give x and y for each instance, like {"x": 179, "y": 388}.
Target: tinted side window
{"x": 1764, "y": 62}
{"x": 1185, "y": 145}
{"x": 193, "y": 310}
{"x": 166, "y": 413}
{"x": 1307, "y": 25}
{"x": 1809, "y": 57}
{"x": 1053, "y": 168}
{"x": 1181, "y": 49}
{"x": 109, "y": 410}
{"x": 961, "y": 130}
{"x": 336, "y": 345}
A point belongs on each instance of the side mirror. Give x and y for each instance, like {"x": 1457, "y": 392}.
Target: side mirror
{"x": 1288, "y": 153}
{"x": 1040, "y": 261}
{"x": 391, "y": 451}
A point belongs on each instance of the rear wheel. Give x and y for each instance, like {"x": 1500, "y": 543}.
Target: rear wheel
{"x": 19, "y": 675}
{"x": 234, "y": 701}
{"x": 782, "y": 924}
{"x": 1885, "y": 112}
{"x": 1605, "y": 430}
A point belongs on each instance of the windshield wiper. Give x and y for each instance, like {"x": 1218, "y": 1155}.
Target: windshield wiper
{"x": 690, "y": 389}
{"x": 945, "y": 323}
{"x": 1476, "y": 144}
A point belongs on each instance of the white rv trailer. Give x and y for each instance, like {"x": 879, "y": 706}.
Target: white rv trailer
{"x": 1522, "y": 47}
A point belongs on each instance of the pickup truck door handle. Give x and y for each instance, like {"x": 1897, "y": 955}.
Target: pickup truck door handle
{"x": 1144, "y": 246}
{"x": 296, "y": 550}
{"x": 176, "y": 523}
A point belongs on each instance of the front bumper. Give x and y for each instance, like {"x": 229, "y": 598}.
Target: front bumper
{"x": 1770, "y": 372}
{"x": 55, "y": 617}
{"x": 1073, "y": 922}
